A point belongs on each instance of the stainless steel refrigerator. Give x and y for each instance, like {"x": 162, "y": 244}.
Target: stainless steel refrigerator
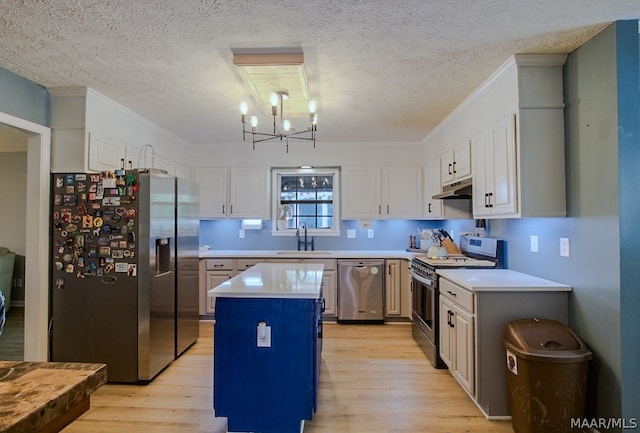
{"x": 187, "y": 257}
{"x": 113, "y": 271}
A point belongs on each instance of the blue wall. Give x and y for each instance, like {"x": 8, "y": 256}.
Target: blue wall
{"x": 25, "y": 99}
{"x": 628, "y": 79}
{"x": 388, "y": 235}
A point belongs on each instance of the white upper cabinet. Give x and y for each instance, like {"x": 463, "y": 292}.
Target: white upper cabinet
{"x": 432, "y": 185}
{"x": 249, "y": 193}
{"x": 436, "y": 208}
{"x": 361, "y": 193}
{"x": 456, "y": 163}
{"x": 106, "y": 154}
{"x": 519, "y": 160}
{"x": 381, "y": 193}
{"x": 402, "y": 190}
{"x": 494, "y": 191}
{"x": 213, "y": 192}
{"x": 90, "y": 133}
{"x": 233, "y": 193}
{"x": 514, "y": 123}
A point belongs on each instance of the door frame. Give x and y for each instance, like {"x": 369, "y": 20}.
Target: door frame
{"x": 36, "y": 312}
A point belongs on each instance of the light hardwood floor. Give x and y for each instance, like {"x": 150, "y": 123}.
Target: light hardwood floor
{"x": 373, "y": 379}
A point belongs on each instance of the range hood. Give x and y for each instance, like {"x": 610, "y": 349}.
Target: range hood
{"x": 456, "y": 190}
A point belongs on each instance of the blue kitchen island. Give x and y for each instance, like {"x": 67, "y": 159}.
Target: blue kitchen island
{"x": 267, "y": 347}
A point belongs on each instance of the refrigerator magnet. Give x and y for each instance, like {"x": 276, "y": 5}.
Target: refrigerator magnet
{"x": 59, "y": 182}
{"x": 122, "y": 267}
{"x": 132, "y": 270}
{"x": 87, "y": 221}
{"x": 69, "y": 179}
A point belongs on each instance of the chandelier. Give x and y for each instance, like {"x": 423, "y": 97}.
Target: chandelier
{"x": 281, "y": 130}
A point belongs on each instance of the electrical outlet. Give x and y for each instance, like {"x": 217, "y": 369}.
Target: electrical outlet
{"x": 370, "y": 233}
{"x": 565, "y": 247}
{"x": 241, "y": 233}
{"x": 351, "y": 233}
{"x": 533, "y": 240}
{"x": 263, "y": 335}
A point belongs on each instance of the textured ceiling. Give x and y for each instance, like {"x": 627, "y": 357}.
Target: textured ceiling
{"x": 379, "y": 70}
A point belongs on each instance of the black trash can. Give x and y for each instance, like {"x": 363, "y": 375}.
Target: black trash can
{"x": 546, "y": 375}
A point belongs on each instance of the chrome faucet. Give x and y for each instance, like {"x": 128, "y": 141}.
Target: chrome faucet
{"x": 304, "y": 242}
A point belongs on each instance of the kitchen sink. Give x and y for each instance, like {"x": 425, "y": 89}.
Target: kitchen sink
{"x": 304, "y": 253}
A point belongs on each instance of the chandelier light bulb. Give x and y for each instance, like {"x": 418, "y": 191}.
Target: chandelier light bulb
{"x": 312, "y": 107}
{"x": 243, "y": 108}
{"x": 314, "y": 119}
{"x": 274, "y": 99}
{"x": 254, "y": 121}
{"x": 287, "y": 125}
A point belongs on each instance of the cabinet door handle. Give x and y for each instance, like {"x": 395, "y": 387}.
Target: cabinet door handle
{"x": 451, "y": 293}
{"x": 450, "y": 168}
{"x": 379, "y": 209}
{"x": 452, "y": 324}
{"x": 454, "y": 167}
{"x": 223, "y": 209}
{"x": 486, "y": 199}
{"x": 429, "y": 207}
{"x": 387, "y": 209}
{"x": 231, "y": 209}
{"x": 490, "y": 195}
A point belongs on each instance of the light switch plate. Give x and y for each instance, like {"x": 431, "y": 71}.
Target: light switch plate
{"x": 533, "y": 240}
{"x": 565, "y": 247}
{"x": 370, "y": 233}
{"x": 241, "y": 233}
{"x": 351, "y": 233}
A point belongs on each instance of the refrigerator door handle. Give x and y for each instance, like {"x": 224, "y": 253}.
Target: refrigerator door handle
{"x": 162, "y": 274}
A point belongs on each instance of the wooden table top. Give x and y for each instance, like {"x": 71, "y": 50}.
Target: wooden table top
{"x": 33, "y": 394}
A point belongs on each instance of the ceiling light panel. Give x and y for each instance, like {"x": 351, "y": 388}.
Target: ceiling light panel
{"x": 267, "y": 73}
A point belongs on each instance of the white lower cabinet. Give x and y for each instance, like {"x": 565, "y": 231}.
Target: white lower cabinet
{"x": 397, "y": 289}
{"x": 456, "y": 333}
{"x": 392, "y": 285}
{"x": 330, "y": 294}
{"x": 216, "y": 272}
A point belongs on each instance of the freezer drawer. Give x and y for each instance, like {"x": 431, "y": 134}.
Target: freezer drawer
{"x": 361, "y": 290}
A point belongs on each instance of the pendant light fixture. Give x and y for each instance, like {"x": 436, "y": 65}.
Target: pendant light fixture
{"x": 281, "y": 126}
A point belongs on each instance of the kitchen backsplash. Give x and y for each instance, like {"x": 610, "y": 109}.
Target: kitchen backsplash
{"x": 387, "y": 235}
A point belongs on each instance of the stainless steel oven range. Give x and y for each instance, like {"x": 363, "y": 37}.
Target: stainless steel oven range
{"x": 476, "y": 253}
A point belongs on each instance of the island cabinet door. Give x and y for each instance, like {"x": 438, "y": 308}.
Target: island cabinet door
{"x": 265, "y": 389}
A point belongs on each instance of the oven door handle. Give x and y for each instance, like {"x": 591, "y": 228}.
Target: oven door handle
{"x": 422, "y": 279}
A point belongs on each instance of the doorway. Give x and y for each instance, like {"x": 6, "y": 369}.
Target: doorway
{"x": 35, "y": 140}
{"x": 13, "y": 190}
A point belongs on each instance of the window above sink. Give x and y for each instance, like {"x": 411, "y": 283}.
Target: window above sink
{"x": 306, "y": 197}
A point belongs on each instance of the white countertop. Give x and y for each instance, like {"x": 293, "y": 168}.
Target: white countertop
{"x": 273, "y": 280}
{"x": 320, "y": 254}
{"x": 493, "y": 280}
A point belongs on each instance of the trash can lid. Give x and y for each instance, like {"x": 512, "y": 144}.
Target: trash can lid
{"x": 544, "y": 340}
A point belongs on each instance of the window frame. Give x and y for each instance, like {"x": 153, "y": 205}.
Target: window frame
{"x": 277, "y": 172}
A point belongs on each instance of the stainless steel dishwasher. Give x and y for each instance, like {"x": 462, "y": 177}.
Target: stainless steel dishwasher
{"x": 361, "y": 291}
